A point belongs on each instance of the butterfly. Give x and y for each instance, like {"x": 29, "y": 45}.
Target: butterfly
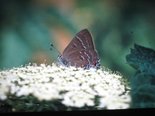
{"x": 80, "y": 52}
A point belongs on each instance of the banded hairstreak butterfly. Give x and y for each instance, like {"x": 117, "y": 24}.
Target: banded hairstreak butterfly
{"x": 80, "y": 52}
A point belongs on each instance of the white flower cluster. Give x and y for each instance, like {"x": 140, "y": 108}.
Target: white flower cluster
{"x": 76, "y": 87}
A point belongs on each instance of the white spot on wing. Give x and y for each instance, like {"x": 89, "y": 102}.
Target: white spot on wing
{"x": 81, "y": 42}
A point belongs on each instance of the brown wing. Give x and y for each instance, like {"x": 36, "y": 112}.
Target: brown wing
{"x": 82, "y": 40}
{"x": 82, "y": 58}
{"x": 80, "y": 52}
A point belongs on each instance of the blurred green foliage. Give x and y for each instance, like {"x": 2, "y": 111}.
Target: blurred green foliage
{"x": 28, "y": 27}
{"x": 143, "y": 81}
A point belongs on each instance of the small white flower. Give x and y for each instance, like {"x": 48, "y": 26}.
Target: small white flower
{"x": 24, "y": 90}
{"x": 76, "y": 87}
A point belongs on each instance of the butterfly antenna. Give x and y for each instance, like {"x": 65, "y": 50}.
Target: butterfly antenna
{"x": 52, "y": 46}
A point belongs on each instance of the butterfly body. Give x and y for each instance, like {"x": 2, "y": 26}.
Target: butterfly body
{"x": 80, "y": 52}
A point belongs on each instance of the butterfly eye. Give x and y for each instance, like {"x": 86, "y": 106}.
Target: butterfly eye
{"x": 62, "y": 61}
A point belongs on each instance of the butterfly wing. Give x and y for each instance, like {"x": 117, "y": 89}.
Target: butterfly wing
{"x": 82, "y": 58}
{"x": 82, "y": 40}
{"x": 80, "y": 52}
